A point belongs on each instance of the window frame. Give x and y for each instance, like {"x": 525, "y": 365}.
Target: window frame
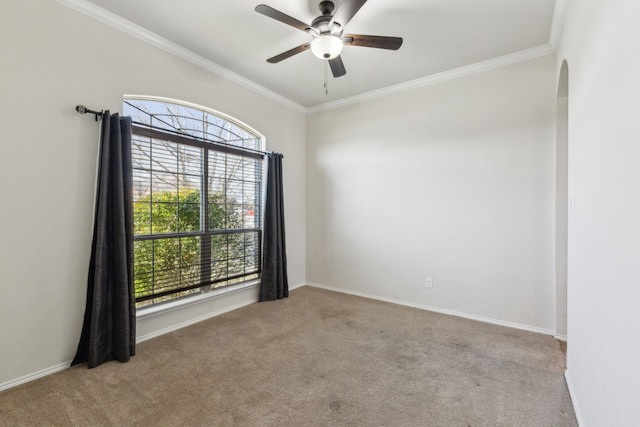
{"x": 204, "y": 234}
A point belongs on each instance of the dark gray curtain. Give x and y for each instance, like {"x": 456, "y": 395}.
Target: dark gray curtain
{"x": 108, "y": 332}
{"x": 274, "y": 284}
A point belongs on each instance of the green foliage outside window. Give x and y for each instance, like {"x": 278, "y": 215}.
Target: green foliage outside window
{"x": 176, "y": 261}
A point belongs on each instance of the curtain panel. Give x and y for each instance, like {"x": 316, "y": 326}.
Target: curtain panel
{"x": 108, "y": 331}
{"x": 274, "y": 283}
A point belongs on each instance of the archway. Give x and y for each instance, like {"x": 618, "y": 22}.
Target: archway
{"x": 562, "y": 199}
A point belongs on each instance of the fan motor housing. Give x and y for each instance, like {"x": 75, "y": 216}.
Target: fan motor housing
{"x": 321, "y": 25}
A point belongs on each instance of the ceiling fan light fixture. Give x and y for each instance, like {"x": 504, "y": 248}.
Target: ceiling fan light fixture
{"x": 327, "y": 46}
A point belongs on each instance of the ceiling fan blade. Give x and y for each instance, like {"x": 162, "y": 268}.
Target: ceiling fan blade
{"x": 337, "y": 67}
{"x": 279, "y": 16}
{"x": 289, "y": 53}
{"x": 346, "y": 11}
{"x": 380, "y": 42}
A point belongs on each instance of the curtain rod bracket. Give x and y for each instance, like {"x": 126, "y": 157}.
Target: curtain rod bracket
{"x": 84, "y": 110}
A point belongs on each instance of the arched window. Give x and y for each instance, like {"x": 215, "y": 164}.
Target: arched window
{"x": 197, "y": 185}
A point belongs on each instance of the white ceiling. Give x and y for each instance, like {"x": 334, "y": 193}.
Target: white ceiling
{"x": 440, "y": 36}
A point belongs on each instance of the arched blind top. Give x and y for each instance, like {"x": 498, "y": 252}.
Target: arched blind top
{"x": 191, "y": 120}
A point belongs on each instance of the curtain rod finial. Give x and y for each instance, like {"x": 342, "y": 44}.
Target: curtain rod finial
{"x": 84, "y": 110}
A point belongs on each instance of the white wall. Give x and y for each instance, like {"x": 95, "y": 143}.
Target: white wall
{"x": 54, "y": 58}
{"x": 600, "y": 44}
{"x": 453, "y": 181}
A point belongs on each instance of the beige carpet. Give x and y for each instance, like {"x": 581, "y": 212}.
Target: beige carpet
{"x": 318, "y": 358}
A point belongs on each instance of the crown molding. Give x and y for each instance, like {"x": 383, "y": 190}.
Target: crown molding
{"x": 456, "y": 73}
{"x": 128, "y": 27}
{"x": 559, "y": 12}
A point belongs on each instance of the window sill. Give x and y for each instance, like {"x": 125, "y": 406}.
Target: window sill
{"x": 154, "y": 310}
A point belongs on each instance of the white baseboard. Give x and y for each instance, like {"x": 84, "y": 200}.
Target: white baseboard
{"x": 560, "y": 337}
{"x": 574, "y": 399}
{"x": 438, "y": 310}
{"x": 296, "y": 286}
{"x": 34, "y": 376}
{"x": 193, "y": 321}
{"x": 61, "y": 367}
{"x": 199, "y": 319}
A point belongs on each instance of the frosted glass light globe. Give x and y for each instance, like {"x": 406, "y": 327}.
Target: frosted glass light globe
{"x": 326, "y": 46}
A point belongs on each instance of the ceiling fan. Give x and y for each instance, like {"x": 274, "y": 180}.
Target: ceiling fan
{"x": 327, "y": 32}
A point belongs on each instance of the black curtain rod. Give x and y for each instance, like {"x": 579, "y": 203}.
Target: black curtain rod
{"x": 84, "y": 110}
{"x": 98, "y": 114}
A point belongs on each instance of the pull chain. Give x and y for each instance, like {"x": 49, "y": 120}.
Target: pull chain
{"x": 326, "y": 77}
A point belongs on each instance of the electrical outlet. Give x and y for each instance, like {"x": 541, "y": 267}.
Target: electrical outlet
{"x": 429, "y": 282}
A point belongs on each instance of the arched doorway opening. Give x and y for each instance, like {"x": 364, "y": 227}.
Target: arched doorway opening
{"x": 562, "y": 200}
